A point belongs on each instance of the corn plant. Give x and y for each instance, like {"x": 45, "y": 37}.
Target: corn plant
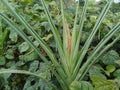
{"x": 71, "y": 70}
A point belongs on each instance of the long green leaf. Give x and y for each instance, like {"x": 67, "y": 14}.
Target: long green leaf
{"x": 75, "y": 27}
{"x": 30, "y": 29}
{"x": 4, "y": 71}
{"x": 42, "y": 43}
{"x": 74, "y": 38}
{"x": 63, "y": 83}
{"x": 91, "y": 36}
{"x": 48, "y": 51}
{"x": 95, "y": 29}
{"x": 82, "y": 19}
{"x": 22, "y": 34}
{"x": 99, "y": 47}
{"x": 66, "y": 61}
{"x": 54, "y": 30}
{"x": 98, "y": 56}
{"x": 77, "y": 35}
{"x": 107, "y": 37}
{"x": 35, "y": 35}
{"x": 56, "y": 34}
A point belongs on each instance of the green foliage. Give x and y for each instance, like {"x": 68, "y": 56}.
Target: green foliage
{"x": 110, "y": 69}
{"x": 30, "y": 56}
{"x": 3, "y": 37}
{"x": 2, "y": 60}
{"x": 9, "y": 54}
{"x": 82, "y": 85}
{"x": 103, "y": 84}
{"x": 110, "y": 57}
{"x": 63, "y": 39}
{"x": 43, "y": 71}
{"x": 3, "y": 33}
{"x": 96, "y": 70}
{"x": 13, "y": 36}
{"x": 23, "y": 47}
{"x": 117, "y": 73}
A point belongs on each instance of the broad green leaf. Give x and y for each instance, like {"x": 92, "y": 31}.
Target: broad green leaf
{"x": 36, "y": 67}
{"x": 117, "y": 80}
{"x": 27, "y": 1}
{"x": 84, "y": 37}
{"x": 37, "y": 7}
{"x": 46, "y": 25}
{"x": 82, "y": 85}
{"x": 30, "y": 56}
{"x": 110, "y": 68}
{"x": 45, "y": 71}
{"x": 38, "y": 84}
{"x": 93, "y": 18}
{"x": 36, "y": 43}
{"x": 118, "y": 62}
{"x": 96, "y": 70}
{"x": 46, "y": 38}
{"x": 10, "y": 64}
{"x": 103, "y": 84}
{"x": 92, "y": 2}
{"x": 117, "y": 73}
{"x": 2, "y": 60}
{"x": 110, "y": 58}
{"x": 9, "y": 54}
{"x": 23, "y": 47}
{"x": 108, "y": 23}
{"x": 13, "y": 36}
{"x": 75, "y": 85}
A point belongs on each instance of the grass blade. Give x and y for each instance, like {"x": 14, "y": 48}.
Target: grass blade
{"x": 30, "y": 29}
{"x": 77, "y": 35}
{"x": 66, "y": 41}
{"x": 82, "y": 19}
{"x": 95, "y": 29}
{"x": 35, "y": 35}
{"x": 101, "y": 53}
{"x": 4, "y": 71}
{"x": 22, "y": 34}
{"x": 54, "y": 30}
{"x": 99, "y": 47}
{"x": 56, "y": 36}
{"x": 74, "y": 35}
{"x": 90, "y": 38}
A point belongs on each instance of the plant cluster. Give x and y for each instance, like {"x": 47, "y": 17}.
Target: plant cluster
{"x": 62, "y": 47}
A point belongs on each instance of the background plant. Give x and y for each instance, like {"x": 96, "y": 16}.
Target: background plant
{"x": 72, "y": 85}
